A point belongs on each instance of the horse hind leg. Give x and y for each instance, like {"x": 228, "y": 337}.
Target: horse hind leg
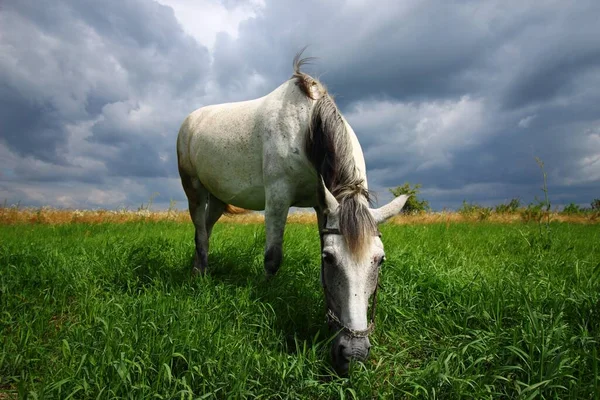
{"x": 216, "y": 208}
{"x": 197, "y": 199}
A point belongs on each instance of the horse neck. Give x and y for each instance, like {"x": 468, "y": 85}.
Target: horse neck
{"x": 357, "y": 155}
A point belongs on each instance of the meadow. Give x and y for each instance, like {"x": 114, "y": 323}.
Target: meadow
{"x": 466, "y": 310}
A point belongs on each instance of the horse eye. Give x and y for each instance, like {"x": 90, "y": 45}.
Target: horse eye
{"x": 328, "y": 258}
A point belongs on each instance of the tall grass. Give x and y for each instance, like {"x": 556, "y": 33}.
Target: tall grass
{"x": 466, "y": 311}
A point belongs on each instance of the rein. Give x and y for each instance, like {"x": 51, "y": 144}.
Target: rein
{"x": 333, "y": 319}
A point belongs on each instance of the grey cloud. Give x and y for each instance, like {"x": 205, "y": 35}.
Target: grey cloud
{"x": 19, "y": 115}
{"x": 459, "y": 96}
{"x": 67, "y": 61}
{"x": 30, "y": 170}
{"x": 114, "y": 194}
{"x": 547, "y": 78}
{"x": 547, "y": 81}
{"x": 415, "y": 51}
{"x": 141, "y": 159}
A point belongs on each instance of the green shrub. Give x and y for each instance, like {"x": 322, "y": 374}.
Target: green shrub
{"x": 572, "y": 209}
{"x": 511, "y": 207}
{"x": 534, "y": 212}
{"x": 413, "y": 205}
{"x": 474, "y": 210}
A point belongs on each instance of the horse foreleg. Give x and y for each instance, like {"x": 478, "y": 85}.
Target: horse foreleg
{"x": 320, "y": 222}
{"x": 321, "y": 225}
{"x": 276, "y": 211}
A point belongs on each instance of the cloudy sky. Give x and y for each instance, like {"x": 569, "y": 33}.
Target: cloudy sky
{"x": 460, "y": 96}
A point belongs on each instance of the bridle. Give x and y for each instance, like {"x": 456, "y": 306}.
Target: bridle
{"x": 333, "y": 319}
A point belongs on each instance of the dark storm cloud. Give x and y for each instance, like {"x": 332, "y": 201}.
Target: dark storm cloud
{"x": 502, "y": 165}
{"x": 554, "y": 52}
{"x": 548, "y": 81}
{"x": 32, "y": 170}
{"x": 140, "y": 160}
{"x": 459, "y": 96}
{"x": 406, "y": 50}
{"x": 68, "y": 60}
{"x": 421, "y": 50}
{"x": 19, "y": 114}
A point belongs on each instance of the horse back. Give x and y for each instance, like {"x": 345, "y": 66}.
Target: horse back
{"x": 237, "y": 149}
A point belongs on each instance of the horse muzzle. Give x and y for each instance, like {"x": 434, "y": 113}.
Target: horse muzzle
{"x": 345, "y": 349}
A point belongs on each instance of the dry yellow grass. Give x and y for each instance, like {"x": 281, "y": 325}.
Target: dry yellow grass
{"x": 47, "y": 215}
{"x": 8, "y": 395}
{"x": 507, "y": 218}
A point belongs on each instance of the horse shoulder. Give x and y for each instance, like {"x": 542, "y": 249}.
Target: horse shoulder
{"x": 284, "y": 125}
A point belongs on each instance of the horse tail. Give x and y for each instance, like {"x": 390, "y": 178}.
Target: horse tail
{"x": 233, "y": 210}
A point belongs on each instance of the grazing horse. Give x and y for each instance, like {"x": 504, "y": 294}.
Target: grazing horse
{"x": 292, "y": 147}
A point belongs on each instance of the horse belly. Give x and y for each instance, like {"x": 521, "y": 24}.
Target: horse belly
{"x": 230, "y": 167}
{"x": 235, "y": 186}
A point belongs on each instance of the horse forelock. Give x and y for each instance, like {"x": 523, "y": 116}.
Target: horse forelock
{"x": 329, "y": 148}
{"x": 356, "y": 223}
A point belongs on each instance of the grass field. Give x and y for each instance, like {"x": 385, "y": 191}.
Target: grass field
{"x": 467, "y": 310}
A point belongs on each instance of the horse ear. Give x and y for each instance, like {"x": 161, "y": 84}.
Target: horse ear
{"x": 383, "y": 213}
{"x": 326, "y": 200}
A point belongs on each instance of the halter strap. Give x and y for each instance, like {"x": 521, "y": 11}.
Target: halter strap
{"x": 332, "y": 319}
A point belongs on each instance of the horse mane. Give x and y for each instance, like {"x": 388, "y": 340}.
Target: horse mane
{"x": 329, "y": 150}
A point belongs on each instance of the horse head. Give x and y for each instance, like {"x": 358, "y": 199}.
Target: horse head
{"x": 350, "y": 276}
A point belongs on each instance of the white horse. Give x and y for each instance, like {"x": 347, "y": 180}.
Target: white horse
{"x": 292, "y": 147}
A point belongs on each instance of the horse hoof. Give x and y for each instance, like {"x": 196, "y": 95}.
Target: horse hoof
{"x": 271, "y": 271}
{"x": 270, "y": 274}
{"x": 198, "y": 271}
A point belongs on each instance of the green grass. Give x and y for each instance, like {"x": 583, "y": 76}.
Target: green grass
{"x": 466, "y": 311}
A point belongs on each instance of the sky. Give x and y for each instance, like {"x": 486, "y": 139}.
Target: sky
{"x": 459, "y": 96}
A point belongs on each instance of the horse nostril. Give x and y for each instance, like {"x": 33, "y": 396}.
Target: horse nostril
{"x": 360, "y": 354}
{"x": 359, "y": 350}
{"x": 343, "y": 354}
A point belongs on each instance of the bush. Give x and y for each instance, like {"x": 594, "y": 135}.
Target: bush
{"x": 572, "y": 209}
{"x": 474, "y": 210}
{"x": 595, "y": 204}
{"x": 534, "y": 212}
{"x": 413, "y": 205}
{"x": 511, "y": 207}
